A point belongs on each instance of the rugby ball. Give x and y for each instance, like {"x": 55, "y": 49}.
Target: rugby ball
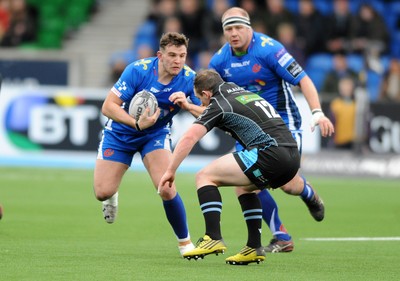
{"x": 140, "y": 102}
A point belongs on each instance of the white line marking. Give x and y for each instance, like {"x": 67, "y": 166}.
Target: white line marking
{"x": 329, "y": 239}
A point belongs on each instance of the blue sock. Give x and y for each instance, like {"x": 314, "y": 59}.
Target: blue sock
{"x": 307, "y": 192}
{"x": 176, "y": 215}
{"x": 271, "y": 217}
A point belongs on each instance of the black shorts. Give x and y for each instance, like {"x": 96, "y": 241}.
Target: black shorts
{"x": 269, "y": 167}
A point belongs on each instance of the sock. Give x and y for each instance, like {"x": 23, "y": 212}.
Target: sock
{"x": 211, "y": 207}
{"x": 252, "y": 212}
{"x": 271, "y": 216}
{"x": 176, "y": 215}
{"x": 113, "y": 200}
{"x": 307, "y": 192}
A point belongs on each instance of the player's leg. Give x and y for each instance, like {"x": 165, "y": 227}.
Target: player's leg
{"x": 107, "y": 178}
{"x": 281, "y": 241}
{"x": 111, "y": 165}
{"x": 225, "y": 171}
{"x": 156, "y": 161}
{"x": 300, "y": 187}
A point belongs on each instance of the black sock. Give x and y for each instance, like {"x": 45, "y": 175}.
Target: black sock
{"x": 252, "y": 212}
{"x": 211, "y": 206}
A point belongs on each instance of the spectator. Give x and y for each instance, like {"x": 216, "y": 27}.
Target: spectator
{"x": 276, "y": 13}
{"x": 340, "y": 70}
{"x": 338, "y": 28}
{"x": 192, "y": 15}
{"x": 160, "y": 11}
{"x": 4, "y": 17}
{"x": 310, "y": 24}
{"x": 172, "y": 24}
{"x": 212, "y": 25}
{"x": 286, "y": 34}
{"x": 390, "y": 90}
{"x": 343, "y": 109}
{"x": 368, "y": 30}
{"x": 22, "y": 28}
{"x": 253, "y": 8}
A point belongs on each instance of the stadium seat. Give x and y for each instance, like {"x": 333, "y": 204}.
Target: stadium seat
{"x": 373, "y": 85}
{"x": 355, "y": 62}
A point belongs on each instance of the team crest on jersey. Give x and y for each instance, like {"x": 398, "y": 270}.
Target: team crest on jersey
{"x": 144, "y": 63}
{"x": 256, "y": 68}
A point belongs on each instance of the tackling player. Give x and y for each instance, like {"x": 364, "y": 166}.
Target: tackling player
{"x": 262, "y": 65}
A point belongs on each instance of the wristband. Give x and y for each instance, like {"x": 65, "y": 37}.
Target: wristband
{"x": 316, "y": 110}
{"x": 137, "y": 127}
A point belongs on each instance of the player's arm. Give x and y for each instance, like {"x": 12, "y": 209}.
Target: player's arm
{"x": 181, "y": 151}
{"x": 112, "y": 109}
{"x": 318, "y": 117}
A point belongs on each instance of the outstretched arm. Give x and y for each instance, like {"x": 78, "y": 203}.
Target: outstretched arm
{"x": 181, "y": 151}
{"x": 318, "y": 117}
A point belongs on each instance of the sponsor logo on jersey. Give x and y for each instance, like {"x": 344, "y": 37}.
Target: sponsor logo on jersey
{"x": 154, "y": 90}
{"x": 294, "y": 69}
{"x": 244, "y": 99}
{"x": 256, "y": 68}
{"x": 240, "y": 64}
{"x": 280, "y": 53}
{"x": 285, "y": 59}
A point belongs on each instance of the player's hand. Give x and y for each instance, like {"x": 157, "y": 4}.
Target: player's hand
{"x": 166, "y": 181}
{"x": 325, "y": 125}
{"x": 180, "y": 99}
{"x": 146, "y": 120}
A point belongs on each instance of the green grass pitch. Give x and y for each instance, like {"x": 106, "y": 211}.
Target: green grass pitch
{"x": 53, "y": 229}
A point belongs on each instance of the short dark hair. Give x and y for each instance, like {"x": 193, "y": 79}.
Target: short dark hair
{"x": 207, "y": 80}
{"x": 173, "y": 38}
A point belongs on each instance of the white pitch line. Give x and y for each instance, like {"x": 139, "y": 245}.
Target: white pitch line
{"x": 328, "y": 239}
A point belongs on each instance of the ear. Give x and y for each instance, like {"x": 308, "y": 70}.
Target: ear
{"x": 159, "y": 54}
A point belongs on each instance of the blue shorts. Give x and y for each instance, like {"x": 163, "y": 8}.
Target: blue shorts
{"x": 121, "y": 148}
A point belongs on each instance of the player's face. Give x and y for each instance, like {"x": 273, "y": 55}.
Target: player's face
{"x": 173, "y": 58}
{"x": 238, "y": 36}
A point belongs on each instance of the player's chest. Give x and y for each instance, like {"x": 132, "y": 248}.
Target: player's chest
{"x": 245, "y": 70}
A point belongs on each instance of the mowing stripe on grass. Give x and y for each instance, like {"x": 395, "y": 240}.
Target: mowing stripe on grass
{"x": 329, "y": 239}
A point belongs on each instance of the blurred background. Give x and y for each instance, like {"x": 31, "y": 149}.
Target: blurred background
{"x": 59, "y": 58}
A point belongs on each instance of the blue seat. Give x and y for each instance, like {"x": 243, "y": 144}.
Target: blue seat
{"x": 355, "y": 62}
{"x": 374, "y": 81}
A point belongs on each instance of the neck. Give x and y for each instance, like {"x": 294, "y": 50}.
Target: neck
{"x": 163, "y": 76}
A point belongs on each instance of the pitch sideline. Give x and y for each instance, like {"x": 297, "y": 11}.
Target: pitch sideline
{"x": 352, "y": 239}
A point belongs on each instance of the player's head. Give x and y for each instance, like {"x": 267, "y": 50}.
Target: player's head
{"x": 172, "y": 53}
{"x": 204, "y": 83}
{"x": 237, "y": 28}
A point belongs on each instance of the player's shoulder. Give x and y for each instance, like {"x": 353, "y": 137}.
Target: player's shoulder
{"x": 220, "y": 55}
{"x": 143, "y": 65}
{"x": 266, "y": 44}
{"x": 188, "y": 73}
